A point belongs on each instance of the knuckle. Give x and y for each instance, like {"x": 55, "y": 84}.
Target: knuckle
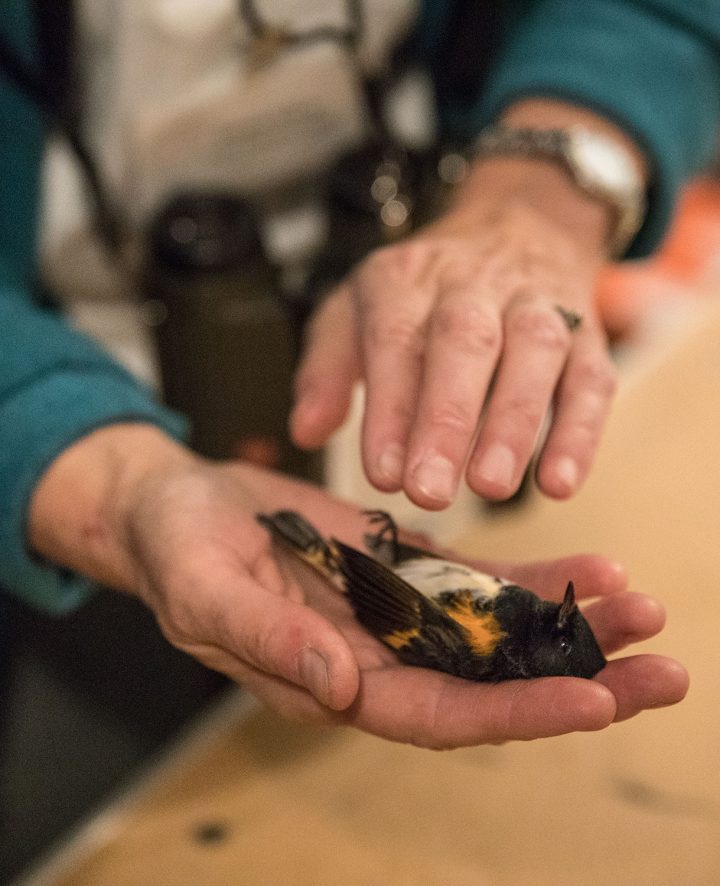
{"x": 541, "y": 326}
{"x": 399, "y": 332}
{"x": 400, "y": 412}
{"x": 454, "y": 417}
{"x": 585, "y": 435}
{"x": 399, "y": 259}
{"x": 177, "y": 620}
{"x": 523, "y": 414}
{"x": 598, "y": 376}
{"x": 473, "y": 329}
{"x": 270, "y": 643}
{"x": 431, "y": 732}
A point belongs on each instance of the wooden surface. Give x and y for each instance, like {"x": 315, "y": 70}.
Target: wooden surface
{"x": 636, "y": 804}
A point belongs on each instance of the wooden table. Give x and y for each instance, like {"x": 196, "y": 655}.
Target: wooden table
{"x": 253, "y": 800}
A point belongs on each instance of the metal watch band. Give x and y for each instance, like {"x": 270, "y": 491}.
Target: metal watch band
{"x": 628, "y": 207}
{"x": 521, "y": 141}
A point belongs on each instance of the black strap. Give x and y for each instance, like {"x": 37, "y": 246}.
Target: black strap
{"x": 22, "y": 76}
{"x": 469, "y": 49}
{"x": 51, "y": 87}
{"x": 55, "y": 29}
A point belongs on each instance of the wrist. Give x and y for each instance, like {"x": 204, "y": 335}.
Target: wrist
{"x": 540, "y": 188}
{"x": 580, "y": 170}
{"x": 546, "y": 113}
{"x": 82, "y": 507}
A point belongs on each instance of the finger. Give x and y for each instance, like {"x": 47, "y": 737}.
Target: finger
{"x": 464, "y": 339}
{"x": 582, "y": 404}
{"x": 408, "y": 705}
{"x": 284, "y": 638}
{"x": 536, "y": 346}
{"x": 434, "y": 710}
{"x": 393, "y": 311}
{"x": 328, "y": 370}
{"x": 641, "y": 682}
{"x": 592, "y": 575}
{"x": 623, "y": 619}
{"x": 289, "y": 700}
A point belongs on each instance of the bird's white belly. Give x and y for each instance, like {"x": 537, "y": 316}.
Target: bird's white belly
{"x": 431, "y": 577}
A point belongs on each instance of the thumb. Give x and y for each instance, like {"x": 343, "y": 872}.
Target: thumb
{"x": 328, "y": 370}
{"x": 285, "y": 638}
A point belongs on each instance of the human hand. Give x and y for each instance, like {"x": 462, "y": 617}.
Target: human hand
{"x": 457, "y": 335}
{"x": 181, "y": 534}
{"x": 457, "y": 320}
{"x": 433, "y": 709}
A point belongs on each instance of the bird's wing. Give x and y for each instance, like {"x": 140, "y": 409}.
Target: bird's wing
{"x": 385, "y": 604}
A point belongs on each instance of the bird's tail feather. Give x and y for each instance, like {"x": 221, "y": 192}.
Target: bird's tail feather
{"x": 304, "y": 540}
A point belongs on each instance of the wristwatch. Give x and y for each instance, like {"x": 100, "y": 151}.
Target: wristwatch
{"x": 597, "y": 164}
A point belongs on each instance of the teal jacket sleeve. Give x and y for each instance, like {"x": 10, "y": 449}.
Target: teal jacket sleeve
{"x": 55, "y": 384}
{"x": 653, "y": 66}
{"x": 55, "y": 387}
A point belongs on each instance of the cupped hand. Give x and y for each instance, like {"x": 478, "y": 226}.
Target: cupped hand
{"x": 218, "y": 594}
{"x": 134, "y": 510}
{"x": 459, "y": 336}
{"x": 204, "y": 566}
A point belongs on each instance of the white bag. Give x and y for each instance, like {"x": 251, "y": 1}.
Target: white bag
{"x": 177, "y": 103}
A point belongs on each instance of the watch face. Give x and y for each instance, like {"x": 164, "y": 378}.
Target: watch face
{"x": 601, "y": 164}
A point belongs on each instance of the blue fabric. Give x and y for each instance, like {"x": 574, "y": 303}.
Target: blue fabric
{"x": 21, "y": 138}
{"x": 651, "y": 65}
{"x": 55, "y": 384}
{"x": 55, "y": 387}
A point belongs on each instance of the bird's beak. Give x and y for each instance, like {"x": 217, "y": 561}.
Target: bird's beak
{"x": 568, "y": 606}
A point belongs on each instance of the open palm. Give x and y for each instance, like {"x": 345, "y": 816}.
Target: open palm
{"x": 221, "y": 593}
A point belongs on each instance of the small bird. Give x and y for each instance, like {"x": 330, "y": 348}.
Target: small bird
{"x": 439, "y": 614}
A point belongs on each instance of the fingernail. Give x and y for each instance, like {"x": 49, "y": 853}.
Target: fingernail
{"x": 435, "y": 477}
{"x": 314, "y": 674}
{"x": 497, "y": 465}
{"x": 566, "y": 470}
{"x": 391, "y": 462}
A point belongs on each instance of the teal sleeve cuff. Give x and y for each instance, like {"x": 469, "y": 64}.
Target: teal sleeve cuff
{"x": 36, "y": 424}
{"x": 657, "y": 75}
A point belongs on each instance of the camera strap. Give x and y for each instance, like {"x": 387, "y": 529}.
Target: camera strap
{"x": 48, "y": 83}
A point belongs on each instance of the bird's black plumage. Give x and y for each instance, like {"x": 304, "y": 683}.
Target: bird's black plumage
{"x": 445, "y": 615}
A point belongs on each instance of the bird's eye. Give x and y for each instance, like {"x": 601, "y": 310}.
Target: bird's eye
{"x": 565, "y": 645}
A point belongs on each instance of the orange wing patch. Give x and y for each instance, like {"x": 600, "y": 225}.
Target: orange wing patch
{"x": 398, "y": 639}
{"x": 325, "y": 560}
{"x": 482, "y": 628}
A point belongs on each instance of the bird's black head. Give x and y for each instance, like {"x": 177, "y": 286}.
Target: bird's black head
{"x": 565, "y": 645}
{"x": 551, "y": 640}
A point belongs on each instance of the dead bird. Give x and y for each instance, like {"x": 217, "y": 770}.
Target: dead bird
{"x": 436, "y": 613}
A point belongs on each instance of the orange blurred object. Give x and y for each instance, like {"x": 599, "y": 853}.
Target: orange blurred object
{"x": 686, "y": 266}
{"x": 264, "y": 451}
